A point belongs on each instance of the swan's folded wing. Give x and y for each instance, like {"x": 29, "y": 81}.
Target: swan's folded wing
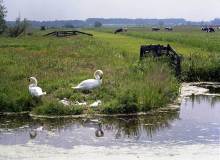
{"x": 87, "y": 84}
{"x": 36, "y": 91}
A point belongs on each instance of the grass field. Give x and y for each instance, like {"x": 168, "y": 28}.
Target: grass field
{"x": 200, "y": 50}
{"x": 128, "y": 85}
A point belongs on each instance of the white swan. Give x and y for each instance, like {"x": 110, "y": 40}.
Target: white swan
{"x": 90, "y": 84}
{"x": 34, "y": 90}
{"x": 96, "y": 104}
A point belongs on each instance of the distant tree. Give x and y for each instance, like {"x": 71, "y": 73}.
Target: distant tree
{"x": 161, "y": 23}
{"x": 69, "y": 26}
{"x": 25, "y": 25}
{"x": 19, "y": 28}
{"x": 42, "y": 28}
{"x": 97, "y": 24}
{"x": 2, "y": 17}
{"x": 188, "y": 23}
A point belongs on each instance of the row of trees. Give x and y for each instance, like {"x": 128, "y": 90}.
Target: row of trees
{"x": 16, "y": 29}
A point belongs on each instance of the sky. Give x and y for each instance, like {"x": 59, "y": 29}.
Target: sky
{"x": 195, "y": 10}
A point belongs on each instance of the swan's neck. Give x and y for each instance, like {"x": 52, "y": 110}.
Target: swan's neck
{"x": 99, "y": 80}
{"x": 34, "y": 84}
{"x": 97, "y": 77}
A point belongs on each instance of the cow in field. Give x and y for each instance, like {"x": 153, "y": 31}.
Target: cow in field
{"x": 155, "y": 29}
{"x": 119, "y": 30}
{"x": 168, "y": 28}
{"x": 208, "y": 29}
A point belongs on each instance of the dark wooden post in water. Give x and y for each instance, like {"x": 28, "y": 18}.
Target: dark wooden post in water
{"x": 160, "y": 50}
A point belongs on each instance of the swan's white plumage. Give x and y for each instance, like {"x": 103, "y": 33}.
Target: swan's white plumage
{"x": 96, "y": 104}
{"x": 34, "y": 90}
{"x": 90, "y": 84}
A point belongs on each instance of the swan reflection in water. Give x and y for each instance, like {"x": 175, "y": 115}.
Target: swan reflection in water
{"x": 132, "y": 127}
{"x": 33, "y": 132}
{"x": 99, "y": 132}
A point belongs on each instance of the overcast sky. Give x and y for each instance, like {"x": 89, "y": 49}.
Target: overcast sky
{"x": 81, "y": 9}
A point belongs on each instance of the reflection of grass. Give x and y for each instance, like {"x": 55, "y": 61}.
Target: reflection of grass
{"x": 60, "y": 63}
{"x": 135, "y": 126}
{"x": 201, "y": 50}
{"x": 131, "y": 126}
{"x": 214, "y": 101}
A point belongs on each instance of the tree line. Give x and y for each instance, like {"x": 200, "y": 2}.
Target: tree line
{"x": 15, "y": 30}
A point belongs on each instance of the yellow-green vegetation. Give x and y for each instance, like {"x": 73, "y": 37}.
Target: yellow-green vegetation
{"x": 200, "y": 50}
{"x": 129, "y": 86}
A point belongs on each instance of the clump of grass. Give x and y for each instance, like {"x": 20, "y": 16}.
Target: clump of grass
{"x": 15, "y": 103}
{"x": 199, "y": 67}
{"x": 146, "y": 87}
{"x": 54, "y": 108}
{"x": 124, "y": 104}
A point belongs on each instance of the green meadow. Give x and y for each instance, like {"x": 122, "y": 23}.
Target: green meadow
{"x": 200, "y": 50}
{"x": 129, "y": 86}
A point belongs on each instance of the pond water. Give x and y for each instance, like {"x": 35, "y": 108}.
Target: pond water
{"x": 191, "y": 133}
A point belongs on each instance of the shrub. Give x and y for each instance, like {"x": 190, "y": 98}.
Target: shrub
{"x": 16, "y": 104}
{"x": 97, "y": 24}
{"x": 19, "y": 28}
{"x": 125, "y": 104}
{"x": 42, "y": 28}
{"x": 57, "y": 109}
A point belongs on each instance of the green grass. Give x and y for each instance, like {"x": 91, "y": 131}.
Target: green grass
{"x": 129, "y": 86}
{"x": 200, "y": 50}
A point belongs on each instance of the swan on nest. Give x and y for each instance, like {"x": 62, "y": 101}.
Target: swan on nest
{"x": 90, "y": 84}
{"x": 34, "y": 90}
{"x": 96, "y": 104}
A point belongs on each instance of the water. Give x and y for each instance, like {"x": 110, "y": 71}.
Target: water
{"x": 192, "y": 133}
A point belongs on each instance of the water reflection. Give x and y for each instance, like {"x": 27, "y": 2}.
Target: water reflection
{"x": 99, "y": 132}
{"x": 120, "y": 127}
{"x": 197, "y": 122}
{"x": 211, "y": 100}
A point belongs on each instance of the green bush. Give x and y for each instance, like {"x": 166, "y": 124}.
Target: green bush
{"x": 54, "y": 108}
{"x": 17, "y": 29}
{"x": 125, "y": 104}
{"x": 15, "y": 104}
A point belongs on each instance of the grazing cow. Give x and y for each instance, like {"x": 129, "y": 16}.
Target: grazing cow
{"x": 155, "y": 29}
{"x": 204, "y": 29}
{"x": 168, "y": 28}
{"x": 208, "y": 29}
{"x": 120, "y": 30}
{"x": 211, "y": 29}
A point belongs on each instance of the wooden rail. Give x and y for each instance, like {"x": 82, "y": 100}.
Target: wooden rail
{"x": 66, "y": 33}
{"x": 160, "y": 50}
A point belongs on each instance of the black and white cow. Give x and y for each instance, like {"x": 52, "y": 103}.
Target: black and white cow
{"x": 121, "y": 30}
{"x": 168, "y": 28}
{"x": 155, "y": 29}
{"x": 208, "y": 29}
